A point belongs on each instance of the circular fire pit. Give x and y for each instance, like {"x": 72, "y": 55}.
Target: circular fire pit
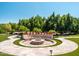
{"x": 37, "y": 41}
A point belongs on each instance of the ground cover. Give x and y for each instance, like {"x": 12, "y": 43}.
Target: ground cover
{"x": 4, "y": 37}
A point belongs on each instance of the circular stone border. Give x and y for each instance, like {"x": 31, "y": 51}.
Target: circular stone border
{"x": 57, "y": 42}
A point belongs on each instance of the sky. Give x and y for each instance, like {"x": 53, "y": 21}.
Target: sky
{"x": 13, "y": 11}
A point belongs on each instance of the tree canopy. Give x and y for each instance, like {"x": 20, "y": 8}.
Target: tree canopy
{"x": 55, "y": 22}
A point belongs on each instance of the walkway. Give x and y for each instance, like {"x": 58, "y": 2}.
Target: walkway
{"x": 10, "y": 48}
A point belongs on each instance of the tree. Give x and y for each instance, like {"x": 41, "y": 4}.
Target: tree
{"x": 7, "y": 27}
{"x": 62, "y": 24}
{"x": 46, "y": 26}
{"x": 14, "y": 26}
{"x": 68, "y": 23}
{"x": 37, "y": 30}
{"x": 37, "y": 22}
{"x": 23, "y": 28}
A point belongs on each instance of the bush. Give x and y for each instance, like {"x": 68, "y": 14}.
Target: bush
{"x": 37, "y": 30}
{"x": 52, "y": 31}
{"x": 23, "y": 28}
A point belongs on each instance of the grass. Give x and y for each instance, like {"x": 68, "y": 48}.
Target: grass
{"x": 5, "y": 54}
{"x": 58, "y": 42}
{"x": 77, "y": 35}
{"x": 17, "y": 43}
{"x": 74, "y": 53}
{"x": 3, "y": 37}
{"x": 72, "y": 36}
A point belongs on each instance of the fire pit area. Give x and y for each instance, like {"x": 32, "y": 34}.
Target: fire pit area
{"x": 37, "y": 44}
{"x": 37, "y": 41}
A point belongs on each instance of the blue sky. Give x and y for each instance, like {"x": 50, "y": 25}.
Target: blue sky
{"x": 13, "y": 11}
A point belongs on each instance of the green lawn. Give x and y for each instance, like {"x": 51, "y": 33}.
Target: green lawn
{"x": 73, "y": 36}
{"x": 5, "y": 54}
{"x": 2, "y": 38}
{"x": 77, "y": 35}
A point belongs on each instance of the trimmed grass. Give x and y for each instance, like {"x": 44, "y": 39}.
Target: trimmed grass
{"x": 17, "y": 43}
{"x": 72, "y": 36}
{"x": 77, "y": 35}
{"x": 58, "y": 42}
{"x": 5, "y": 54}
{"x": 3, "y": 37}
{"x": 74, "y": 53}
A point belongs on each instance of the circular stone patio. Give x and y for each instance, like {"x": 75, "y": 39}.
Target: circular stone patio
{"x": 8, "y": 47}
{"x": 45, "y": 44}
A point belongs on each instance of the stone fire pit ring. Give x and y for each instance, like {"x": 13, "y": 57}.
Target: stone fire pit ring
{"x": 37, "y": 41}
